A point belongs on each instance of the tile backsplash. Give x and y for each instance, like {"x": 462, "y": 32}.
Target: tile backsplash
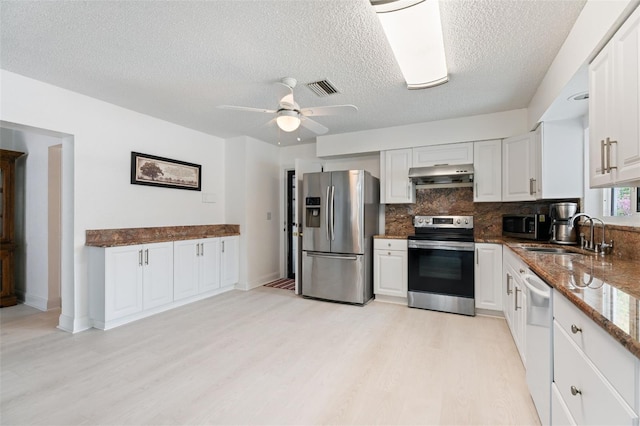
{"x": 488, "y": 216}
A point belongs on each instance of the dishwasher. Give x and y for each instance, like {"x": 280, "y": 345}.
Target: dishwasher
{"x": 539, "y": 343}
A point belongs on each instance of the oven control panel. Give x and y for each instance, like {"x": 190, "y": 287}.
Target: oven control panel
{"x": 464, "y": 222}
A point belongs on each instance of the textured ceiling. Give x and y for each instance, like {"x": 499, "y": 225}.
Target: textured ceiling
{"x": 178, "y": 60}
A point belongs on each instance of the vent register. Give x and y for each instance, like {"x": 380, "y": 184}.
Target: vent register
{"x": 322, "y": 88}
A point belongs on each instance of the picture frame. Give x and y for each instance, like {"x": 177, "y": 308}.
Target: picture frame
{"x": 151, "y": 170}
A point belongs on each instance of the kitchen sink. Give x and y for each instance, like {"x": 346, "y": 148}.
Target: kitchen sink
{"x": 549, "y": 250}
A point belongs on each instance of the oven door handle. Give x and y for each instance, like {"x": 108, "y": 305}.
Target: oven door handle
{"x": 442, "y": 246}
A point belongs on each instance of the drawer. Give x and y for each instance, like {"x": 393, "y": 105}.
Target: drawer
{"x": 596, "y": 401}
{"x": 560, "y": 414}
{"x": 389, "y": 244}
{"x": 617, "y": 364}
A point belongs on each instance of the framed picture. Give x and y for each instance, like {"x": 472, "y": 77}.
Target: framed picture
{"x": 157, "y": 171}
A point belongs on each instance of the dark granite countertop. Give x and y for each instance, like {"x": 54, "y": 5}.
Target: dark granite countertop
{"x": 132, "y": 236}
{"x": 605, "y": 288}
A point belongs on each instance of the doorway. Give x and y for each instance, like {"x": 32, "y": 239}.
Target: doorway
{"x": 291, "y": 224}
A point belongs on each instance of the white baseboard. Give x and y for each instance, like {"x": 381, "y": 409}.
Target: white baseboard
{"x": 259, "y": 282}
{"x": 391, "y": 299}
{"x": 35, "y": 301}
{"x": 73, "y": 325}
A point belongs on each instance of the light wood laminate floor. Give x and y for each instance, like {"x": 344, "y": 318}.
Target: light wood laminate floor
{"x": 264, "y": 357}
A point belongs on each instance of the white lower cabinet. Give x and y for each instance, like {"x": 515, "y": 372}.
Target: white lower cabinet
{"x": 390, "y": 275}
{"x": 127, "y": 280}
{"x": 229, "y": 260}
{"x": 515, "y": 303}
{"x": 596, "y": 378}
{"x": 127, "y": 283}
{"x": 488, "y": 273}
{"x": 196, "y": 267}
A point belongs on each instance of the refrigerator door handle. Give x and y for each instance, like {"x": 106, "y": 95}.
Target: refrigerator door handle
{"x": 326, "y": 216}
{"x": 331, "y": 256}
{"x": 333, "y": 196}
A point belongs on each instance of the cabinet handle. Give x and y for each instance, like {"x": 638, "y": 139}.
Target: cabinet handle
{"x": 575, "y": 391}
{"x": 509, "y": 277}
{"x": 516, "y": 299}
{"x": 476, "y": 188}
{"x": 223, "y": 247}
{"x": 201, "y": 249}
{"x": 408, "y": 190}
{"x": 197, "y": 249}
{"x": 477, "y": 257}
{"x": 603, "y": 169}
{"x": 139, "y": 257}
{"x": 146, "y": 257}
{"x": 530, "y": 186}
{"x": 609, "y": 166}
{"x": 575, "y": 329}
{"x": 388, "y": 253}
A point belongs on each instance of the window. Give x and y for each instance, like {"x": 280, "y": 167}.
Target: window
{"x": 621, "y": 201}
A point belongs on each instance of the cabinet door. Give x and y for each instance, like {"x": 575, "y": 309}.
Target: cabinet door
{"x": 487, "y": 170}
{"x": 185, "y": 268}
{"x": 507, "y": 293}
{"x": 433, "y": 155}
{"x": 157, "y": 275}
{"x": 229, "y": 261}
{"x": 601, "y": 115}
{"x": 627, "y": 100}
{"x": 390, "y": 273}
{"x": 123, "y": 281}
{"x": 395, "y": 186}
{"x": 518, "y": 168}
{"x": 488, "y": 272}
{"x": 209, "y": 260}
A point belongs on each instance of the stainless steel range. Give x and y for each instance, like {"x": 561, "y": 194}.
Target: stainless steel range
{"x": 441, "y": 264}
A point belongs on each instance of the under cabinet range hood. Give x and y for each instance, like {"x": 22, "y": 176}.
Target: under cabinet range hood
{"x": 442, "y": 176}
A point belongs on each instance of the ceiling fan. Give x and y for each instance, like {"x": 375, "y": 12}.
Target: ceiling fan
{"x": 289, "y": 115}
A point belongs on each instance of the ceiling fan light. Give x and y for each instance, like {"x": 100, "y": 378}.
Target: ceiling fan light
{"x": 288, "y": 121}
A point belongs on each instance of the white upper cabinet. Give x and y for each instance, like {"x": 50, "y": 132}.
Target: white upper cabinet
{"x": 559, "y": 154}
{"x": 395, "y": 185}
{"x": 614, "y": 109}
{"x": 544, "y": 164}
{"x": 487, "y": 171}
{"x": 434, "y": 155}
{"x": 518, "y": 168}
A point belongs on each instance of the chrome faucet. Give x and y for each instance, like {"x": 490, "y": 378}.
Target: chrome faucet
{"x": 603, "y": 247}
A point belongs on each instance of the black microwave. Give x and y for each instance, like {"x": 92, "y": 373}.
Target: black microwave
{"x": 528, "y": 226}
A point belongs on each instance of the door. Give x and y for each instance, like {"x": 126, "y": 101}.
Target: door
{"x": 291, "y": 236}
{"x": 157, "y": 289}
{"x": 518, "y": 169}
{"x": 601, "y": 116}
{"x": 123, "y": 278}
{"x": 302, "y": 167}
{"x": 346, "y": 212}
{"x": 487, "y": 164}
{"x": 334, "y": 277}
{"x": 209, "y": 268}
{"x": 185, "y": 269}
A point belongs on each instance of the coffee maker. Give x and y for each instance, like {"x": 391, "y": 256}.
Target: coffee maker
{"x": 562, "y": 230}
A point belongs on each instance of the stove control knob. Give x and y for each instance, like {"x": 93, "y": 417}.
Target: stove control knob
{"x": 466, "y": 221}
{"x": 420, "y": 220}
{"x": 458, "y": 221}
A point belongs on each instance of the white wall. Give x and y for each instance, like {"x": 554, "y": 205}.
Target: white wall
{"x": 253, "y": 188}
{"x": 31, "y": 231}
{"x": 464, "y": 129}
{"x": 97, "y": 163}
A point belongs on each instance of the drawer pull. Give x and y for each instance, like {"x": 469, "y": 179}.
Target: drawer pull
{"x": 388, "y": 253}
{"x": 575, "y": 391}
{"x": 575, "y": 330}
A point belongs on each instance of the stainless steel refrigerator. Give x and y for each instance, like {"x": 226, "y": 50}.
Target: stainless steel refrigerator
{"x": 339, "y": 222}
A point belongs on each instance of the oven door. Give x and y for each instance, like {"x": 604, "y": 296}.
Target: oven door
{"x": 441, "y": 267}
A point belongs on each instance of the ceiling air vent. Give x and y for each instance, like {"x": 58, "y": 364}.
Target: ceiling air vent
{"x": 322, "y": 88}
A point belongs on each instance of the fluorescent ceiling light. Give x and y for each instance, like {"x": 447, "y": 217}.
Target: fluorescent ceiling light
{"x": 288, "y": 120}
{"x": 414, "y": 31}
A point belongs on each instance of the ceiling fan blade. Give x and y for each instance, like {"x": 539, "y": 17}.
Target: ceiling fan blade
{"x": 247, "y": 109}
{"x": 328, "y": 110}
{"x": 314, "y": 126}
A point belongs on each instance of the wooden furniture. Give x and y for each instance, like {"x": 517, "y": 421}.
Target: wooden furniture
{"x": 7, "y": 225}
